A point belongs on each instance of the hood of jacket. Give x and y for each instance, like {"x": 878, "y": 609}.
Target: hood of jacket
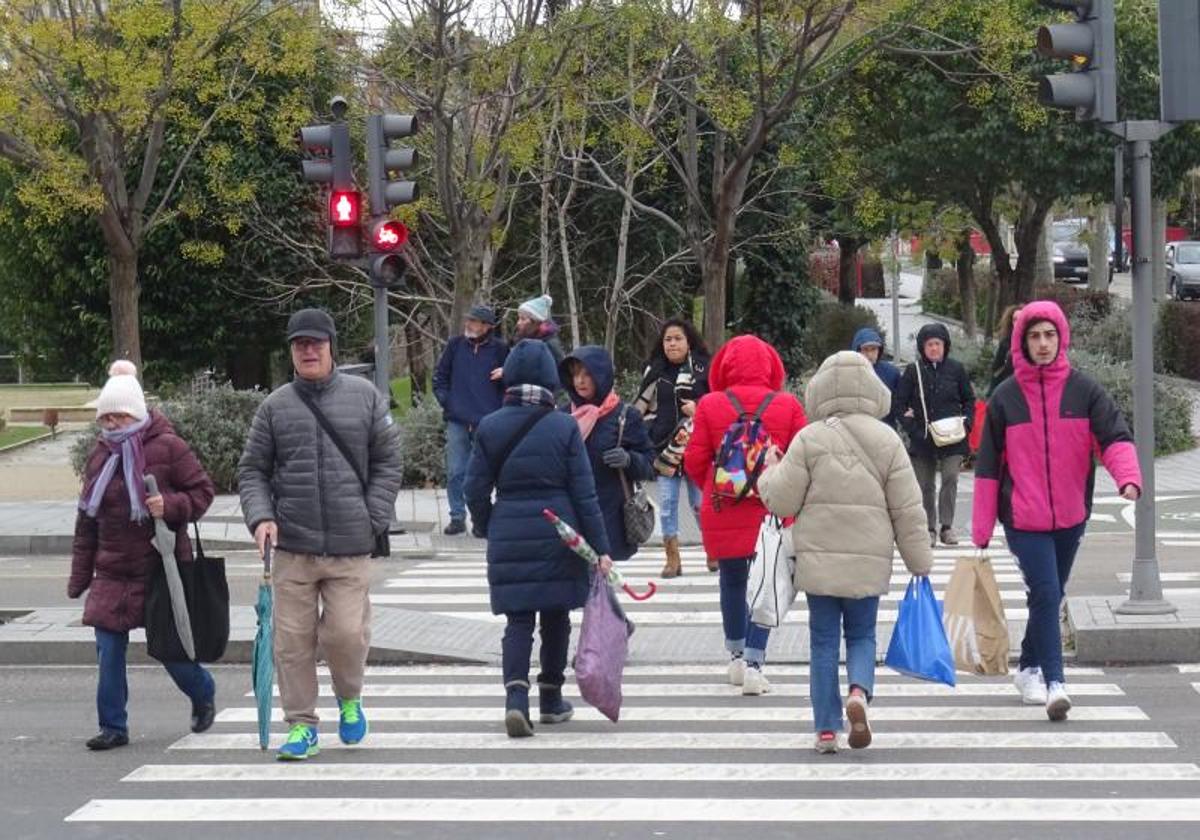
{"x": 531, "y": 363}
{"x": 846, "y": 384}
{"x": 746, "y": 360}
{"x": 933, "y": 331}
{"x": 598, "y": 363}
{"x": 1040, "y": 310}
{"x": 867, "y": 335}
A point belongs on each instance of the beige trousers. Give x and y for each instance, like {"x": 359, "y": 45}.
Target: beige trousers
{"x": 319, "y": 601}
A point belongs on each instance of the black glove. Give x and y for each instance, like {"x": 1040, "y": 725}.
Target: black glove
{"x": 617, "y": 458}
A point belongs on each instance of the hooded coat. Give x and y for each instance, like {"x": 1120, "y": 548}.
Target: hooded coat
{"x": 1035, "y": 470}
{"x": 948, "y": 393}
{"x": 111, "y": 557}
{"x": 609, "y": 488}
{"x": 887, "y": 372}
{"x": 849, "y": 514}
{"x": 751, "y": 369}
{"x": 528, "y": 566}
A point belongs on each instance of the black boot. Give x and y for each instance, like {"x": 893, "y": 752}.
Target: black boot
{"x": 553, "y": 708}
{"x": 203, "y": 715}
{"x": 516, "y": 710}
{"x": 107, "y": 740}
{"x": 456, "y": 527}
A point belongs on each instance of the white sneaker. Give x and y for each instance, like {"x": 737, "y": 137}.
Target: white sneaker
{"x": 754, "y": 683}
{"x": 1057, "y": 702}
{"x": 737, "y": 671}
{"x": 1029, "y": 682}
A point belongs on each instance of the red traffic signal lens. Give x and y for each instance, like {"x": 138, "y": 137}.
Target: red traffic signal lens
{"x": 389, "y": 235}
{"x": 343, "y": 208}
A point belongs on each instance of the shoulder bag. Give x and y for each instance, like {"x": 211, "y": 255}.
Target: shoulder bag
{"x": 207, "y": 594}
{"x": 947, "y": 431}
{"x": 637, "y": 511}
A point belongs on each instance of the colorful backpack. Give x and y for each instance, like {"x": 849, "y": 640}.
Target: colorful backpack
{"x": 740, "y": 459}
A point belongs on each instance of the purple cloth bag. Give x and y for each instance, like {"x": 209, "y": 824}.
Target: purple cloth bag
{"x": 603, "y": 648}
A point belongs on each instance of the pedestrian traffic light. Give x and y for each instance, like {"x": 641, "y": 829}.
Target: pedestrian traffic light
{"x": 1090, "y": 43}
{"x": 344, "y": 208}
{"x": 382, "y": 129}
{"x": 387, "y": 271}
{"x": 331, "y": 164}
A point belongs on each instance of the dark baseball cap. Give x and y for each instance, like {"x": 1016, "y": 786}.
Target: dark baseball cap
{"x": 311, "y": 323}
{"x": 479, "y": 312}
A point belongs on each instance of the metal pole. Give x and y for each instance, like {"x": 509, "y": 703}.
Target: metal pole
{"x": 1145, "y": 587}
{"x": 895, "y": 294}
{"x": 1119, "y": 206}
{"x": 383, "y": 365}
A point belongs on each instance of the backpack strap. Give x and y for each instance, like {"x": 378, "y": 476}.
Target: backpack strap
{"x": 741, "y": 410}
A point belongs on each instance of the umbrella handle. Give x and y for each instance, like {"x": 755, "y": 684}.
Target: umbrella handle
{"x": 267, "y": 558}
{"x": 651, "y": 588}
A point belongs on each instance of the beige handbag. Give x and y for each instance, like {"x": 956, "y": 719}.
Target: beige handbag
{"x": 947, "y": 431}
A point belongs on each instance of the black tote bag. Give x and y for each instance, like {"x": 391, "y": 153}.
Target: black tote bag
{"x": 207, "y": 594}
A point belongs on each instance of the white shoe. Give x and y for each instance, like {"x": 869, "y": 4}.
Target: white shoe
{"x": 1057, "y": 702}
{"x": 737, "y": 671}
{"x": 754, "y": 683}
{"x": 1029, "y": 682}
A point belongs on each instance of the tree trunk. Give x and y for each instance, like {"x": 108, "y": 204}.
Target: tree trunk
{"x": 847, "y": 263}
{"x": 468, "y": 269}
{"x": 716, "y": 262}
{"x": 618, "y": 284}
{"x": 123, "y": 293}
{"x": 1043, "y": 277}
{"x": 1098, "y": 248}
{"x": 965, "y": 267}
{"x": 565, "y": 246}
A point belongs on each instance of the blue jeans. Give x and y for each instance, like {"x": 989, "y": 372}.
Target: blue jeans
{"x": 1045, "y": 558}
{"x": 827, "y": 616}
{"x": 517, "y": 646}
{"x": 668, "y": 502}
{"x": 742, "y": 636}
{"x": 459, "y": 438}
{"x": 112, "y": 692}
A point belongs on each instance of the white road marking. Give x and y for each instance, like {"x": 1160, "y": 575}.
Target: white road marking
{"x": 646, "y": 616}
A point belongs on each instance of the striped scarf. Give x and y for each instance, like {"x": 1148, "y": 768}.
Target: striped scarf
{"x": 528, "y": 395}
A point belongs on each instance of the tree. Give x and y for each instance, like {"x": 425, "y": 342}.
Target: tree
{"x": 95, "y": 94}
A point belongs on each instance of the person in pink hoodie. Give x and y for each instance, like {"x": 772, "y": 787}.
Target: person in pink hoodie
{"x": 1035, "y": 472}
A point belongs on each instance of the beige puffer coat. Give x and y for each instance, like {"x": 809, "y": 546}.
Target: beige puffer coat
{"x": 847, "y": 521}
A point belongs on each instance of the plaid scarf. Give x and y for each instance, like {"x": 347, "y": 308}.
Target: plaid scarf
{"x": 528, "y": 395}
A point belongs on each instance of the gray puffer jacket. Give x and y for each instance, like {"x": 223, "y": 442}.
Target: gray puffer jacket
{"x": 292, "y": 473}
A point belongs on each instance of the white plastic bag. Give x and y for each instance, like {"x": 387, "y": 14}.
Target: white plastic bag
{"x": 772, "y": 585}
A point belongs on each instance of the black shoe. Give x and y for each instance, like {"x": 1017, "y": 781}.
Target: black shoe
{"x": 516, "y": 711}
{"x": 203, "y": 715}
{"x": 456, "y": 527}
{"x": 108, "y": 740}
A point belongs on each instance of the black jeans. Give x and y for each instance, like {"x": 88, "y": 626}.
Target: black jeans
{"x": 518, "y": 645}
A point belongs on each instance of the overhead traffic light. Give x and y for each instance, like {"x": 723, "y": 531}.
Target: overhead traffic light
{"x": 1090, "y": 43}
{"x": 331, "y": 164}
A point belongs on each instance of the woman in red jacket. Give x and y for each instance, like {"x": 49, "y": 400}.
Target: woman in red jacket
{"x": 114, "y": 551}
{"x": 751, "y": 372}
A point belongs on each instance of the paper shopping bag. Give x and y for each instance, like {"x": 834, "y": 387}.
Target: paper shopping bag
{"x": 974, "y": 617}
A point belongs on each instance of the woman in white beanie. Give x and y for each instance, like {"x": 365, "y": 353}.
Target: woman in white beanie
{"x": 114, "y": 551}
{"x": 534, "y": 321}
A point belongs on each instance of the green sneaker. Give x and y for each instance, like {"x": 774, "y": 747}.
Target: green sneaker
{"x": 352, "y": 723}
{"x": 301, "y": 743}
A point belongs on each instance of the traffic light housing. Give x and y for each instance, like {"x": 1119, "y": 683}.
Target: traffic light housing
{"x": 387, "y": 267}
{"x": 331, "y": 164}
{"x": 1090, "y": 43}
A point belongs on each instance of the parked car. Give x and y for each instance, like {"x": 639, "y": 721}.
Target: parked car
{"x": 1183, "y": 270}
{"x": 1070, "y": 254}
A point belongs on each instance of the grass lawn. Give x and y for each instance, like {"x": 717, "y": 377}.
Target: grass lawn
{"x": 57, "y": 396}
{"x": 16, "y": 434}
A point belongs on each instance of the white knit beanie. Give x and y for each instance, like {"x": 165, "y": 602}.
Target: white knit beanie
{"x": 538, "y": 309}
{"x": 122, "y": 393}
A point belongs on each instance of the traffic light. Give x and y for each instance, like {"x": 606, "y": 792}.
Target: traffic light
{"x": 386, "y": 268}
{"x": 1090, "y": 43}
{"x": 330, "y": 146}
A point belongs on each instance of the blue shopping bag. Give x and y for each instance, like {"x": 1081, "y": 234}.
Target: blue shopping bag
{"x": 919, "y": 647}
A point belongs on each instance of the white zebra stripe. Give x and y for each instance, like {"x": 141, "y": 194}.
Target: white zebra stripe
{"x": 646, "y": 616}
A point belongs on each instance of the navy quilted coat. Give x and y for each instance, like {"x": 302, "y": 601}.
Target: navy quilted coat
{"x": 529, "y": 567}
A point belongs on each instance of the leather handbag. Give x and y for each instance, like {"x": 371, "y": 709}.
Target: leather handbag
{"x": 637, "y": 511}
{"x": 947, "y": 431}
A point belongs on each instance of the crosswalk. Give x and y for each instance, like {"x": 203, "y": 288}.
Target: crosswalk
{"x": 437, "y": 756}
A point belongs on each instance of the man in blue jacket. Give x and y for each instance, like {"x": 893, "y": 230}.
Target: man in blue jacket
{"x": 869, "y": 343}
{"x": 467, "y": 384}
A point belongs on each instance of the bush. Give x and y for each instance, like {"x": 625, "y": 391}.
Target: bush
{"x": 1172, "y": 406}
{"x": 627, "y": 383}
{"x": 423, "y": 444}
{"x": 1179, "y": 339}
{"x": 1078, "y": 304}
{"x": 80, "y": 449}
{"x": 833, "y": 328}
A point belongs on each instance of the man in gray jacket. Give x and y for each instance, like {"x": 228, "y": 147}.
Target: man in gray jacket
{"x": 322, "y": 511}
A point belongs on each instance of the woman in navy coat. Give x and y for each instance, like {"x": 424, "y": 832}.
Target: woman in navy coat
{"x": 587, "y": 377}
{"x": 535, "y": 458}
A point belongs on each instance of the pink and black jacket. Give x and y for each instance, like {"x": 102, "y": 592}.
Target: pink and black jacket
{"x": 1035, "y": 470}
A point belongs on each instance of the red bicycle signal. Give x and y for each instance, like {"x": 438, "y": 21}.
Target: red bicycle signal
{"x": 389, "y": 235}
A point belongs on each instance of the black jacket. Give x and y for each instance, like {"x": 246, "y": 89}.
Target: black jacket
{"x": 948, "y": 393}
{"x": 658, "y": 399}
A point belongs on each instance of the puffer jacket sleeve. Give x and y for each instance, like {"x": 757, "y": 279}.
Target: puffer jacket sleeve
{"x": 477, "y": 487}
{"x": 989, "y": 461}
{"x": 636, "y": 441}
{"x": 191, "y": 490}
{"x": 443, "y": 372}
{"x": 903, "y": 496}
{"x": 1111, "y": 432}
{"x": 255, "y": 469}
{"x": 966, "y": 397}
{"x": 581, "y": 486}
{"x": 83, "y": 554}
{"x": 784, "y": 487}
{"x": 906, "y": 390}
{"x": 702, "y": 445}
{"x": 384, "y": 468}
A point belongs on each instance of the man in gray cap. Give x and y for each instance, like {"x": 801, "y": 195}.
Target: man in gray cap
{"x": 467, "y": 386}
{"x": 318, "y": 478}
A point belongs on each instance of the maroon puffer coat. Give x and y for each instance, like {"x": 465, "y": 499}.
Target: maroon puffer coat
{"x": 112, "y": 556}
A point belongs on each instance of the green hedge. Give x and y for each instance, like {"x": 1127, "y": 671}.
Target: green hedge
{"x": 1179, "y": 338}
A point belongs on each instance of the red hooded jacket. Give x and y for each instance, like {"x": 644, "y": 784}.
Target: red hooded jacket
{"x": 750, "y": 368}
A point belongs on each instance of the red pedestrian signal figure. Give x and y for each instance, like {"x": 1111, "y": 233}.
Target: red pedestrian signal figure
{"x": 343, "y": 209}
{"x": 389, "y": 235}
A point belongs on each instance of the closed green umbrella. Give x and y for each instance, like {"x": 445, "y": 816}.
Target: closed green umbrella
{"x": 262, "y": 663}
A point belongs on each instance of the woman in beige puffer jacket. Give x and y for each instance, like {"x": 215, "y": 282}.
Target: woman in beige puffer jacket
{"x": 848, "y": 481}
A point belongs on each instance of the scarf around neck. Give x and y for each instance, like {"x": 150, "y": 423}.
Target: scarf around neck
{"x": 528, "y": 395}
{"x": 588, "y": 414}
{"x": 124, "y": 445}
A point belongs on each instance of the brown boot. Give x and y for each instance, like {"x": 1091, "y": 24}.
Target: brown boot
{"x": 712, "y": 564}
{"x": 674, "y": 565}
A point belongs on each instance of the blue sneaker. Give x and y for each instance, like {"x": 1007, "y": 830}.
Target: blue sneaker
{"x": 352, "y": 723}
{"x": 301, "y": 743}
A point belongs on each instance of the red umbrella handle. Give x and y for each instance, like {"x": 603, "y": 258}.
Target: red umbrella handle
{"x": 651, "y": 588}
